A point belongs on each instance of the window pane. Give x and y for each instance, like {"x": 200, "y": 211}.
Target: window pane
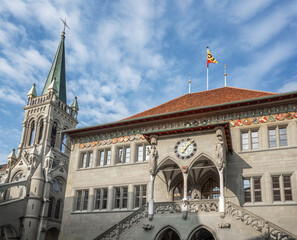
{"x": 125, "y": 197}
{"x": 90, "y": 159}
{"x": 101, "y": 163}
{"x": 275, "y": 182}
{"x": 276, "y": 195}
{"x": 97, "y": 199}
{"x": 257, "y": 183}
{"x": 258, "y": 197}
{"x": 108, "y": 157}
{"x": 283, "y": 137}
{"x": 127, "y": 157}
{"x": 86, "y": 197}
{"x": 104, "y": 203}
{"x": 121, "y": 155}
{"x": 78, "y": 201}
{"x": 245, "y": 141}
{"x": 255, "y": 140}
{"x": 148, "y": 147}
{"x": 84, "y": 160}
{"x": 247, "y": 197}
{"x": 140, "y": 154}
{"x": 143, "y": 195}
{"x": 247, "y": 190}
{"x": 272, "y": 138}
{"x": 117, "y": 197}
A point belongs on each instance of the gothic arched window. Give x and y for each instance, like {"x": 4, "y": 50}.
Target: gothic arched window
{"x": 53, "y": 134}
{"x": 40, "y": 130}
{"x": 58, "y": 207}
{"x": 210, "y": 189}
{"x": 50, "y": 207}
{"x": 32, "y": 133}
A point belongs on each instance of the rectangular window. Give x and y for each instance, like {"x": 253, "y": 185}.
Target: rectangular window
{"x": 281, "y": 188}
{"x": 90, "y": 162}
{"x": 255, "y": 139}
{"x": 140, "y": 196}
{"x": 143, "y": 151}
{"x": 276, "y": 188}
{"x": 82, "y": 197}
{"x": 252, "y": 189}
{"x": 78, "y": 200}
{"x": 277, "y": 137}
{"x": 104, "y": 157}
{"x": 84, "y": 160}
{"x": 247, "y": 190}
{"x": 120, "y": 197}
{"x": 101, "y": 199}
{"x": 283, "y": 136}
{"x": 257, "y": 189}
{"x": 272, "y": 138}
{"x": 124, "y": 155}
{"x": 108, "y": 157}
{"x": 250, "y": 140}
{"x": 287, "y": 188}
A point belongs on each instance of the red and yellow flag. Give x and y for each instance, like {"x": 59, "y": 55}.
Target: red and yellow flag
{"x": 210, "y": 58}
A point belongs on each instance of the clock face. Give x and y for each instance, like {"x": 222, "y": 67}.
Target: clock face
{"x": 57, "y": 185}
{"x": 185, "y": 148}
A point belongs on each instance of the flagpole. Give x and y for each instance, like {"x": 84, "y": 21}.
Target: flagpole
{"x": 190, "y": 82}
{"x": 207, "y": 79}
{"x": 225, "y": 74}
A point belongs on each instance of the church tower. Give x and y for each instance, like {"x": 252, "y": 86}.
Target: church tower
{"x": 37, "y": 174}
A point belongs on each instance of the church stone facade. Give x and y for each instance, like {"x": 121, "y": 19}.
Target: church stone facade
{"x": 33, "y": 187}
{"x": 218, "y": 164}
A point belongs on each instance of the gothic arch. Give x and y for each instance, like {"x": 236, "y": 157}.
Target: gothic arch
{"x": 202, "y": 156}
{"x": 207, "y": 233}
{"x": 166, "y": 159}
{"x": 168, "y": 233}
{"x": 52, "y": 233}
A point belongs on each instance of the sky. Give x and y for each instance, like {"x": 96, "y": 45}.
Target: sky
{"x": 123, "y": 57}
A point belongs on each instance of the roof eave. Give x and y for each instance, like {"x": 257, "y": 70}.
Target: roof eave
{"x": 176, "y": 113}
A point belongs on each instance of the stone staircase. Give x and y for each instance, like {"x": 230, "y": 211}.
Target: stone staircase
{"x": 233, "y": 213}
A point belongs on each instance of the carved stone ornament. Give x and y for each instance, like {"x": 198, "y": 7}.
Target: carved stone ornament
{"x": 153, "y": 153}
{"x": 219, "y": 150}
{"x": 147, "y": 227}
{"x": 224, "y": 225}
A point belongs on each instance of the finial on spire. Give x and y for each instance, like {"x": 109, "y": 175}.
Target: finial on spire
{"x": 65, "y": 25}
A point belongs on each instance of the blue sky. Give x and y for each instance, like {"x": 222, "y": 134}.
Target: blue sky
{"x": 123, "y": 57}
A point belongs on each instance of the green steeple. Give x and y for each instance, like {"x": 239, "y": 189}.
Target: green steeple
{"x": 58, "y": 72}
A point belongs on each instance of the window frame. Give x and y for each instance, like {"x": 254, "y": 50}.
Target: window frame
{"x": 106, "y": 158}
{"x": 101, "y": 199}
{"x": 250, "y": 138}
{"x": 253, "y": 190}
{"x": 86, "y": 160}
{"x": 122, "y": 197}
{"x": 282, "y": 188}
{"x": 82, "y": 202}
{"x": 278, "y": 140}
{"x": 124, "y": 149}
{"x": 142, "y": 198}
{"x": 145, "y": 156}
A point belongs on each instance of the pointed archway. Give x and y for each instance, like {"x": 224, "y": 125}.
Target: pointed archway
{"x": 168, "y": 233}
{"x": 201, "y": 234}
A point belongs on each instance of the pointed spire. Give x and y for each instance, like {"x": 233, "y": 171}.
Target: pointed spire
{"x": 32, "y": 91}
{"x": 58, "y": 71}
{"x": 12, "y": 155}
{"x": 34, "y": 150}
{"x": 52, "y": 86}
{"x": 74, "y": 105}
{"x": 50, "y": 154}
{"x": 38, "y": 174}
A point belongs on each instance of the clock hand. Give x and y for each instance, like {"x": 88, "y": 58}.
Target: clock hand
{"x": 185, "y": 148}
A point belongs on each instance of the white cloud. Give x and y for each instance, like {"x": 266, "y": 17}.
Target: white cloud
{"x": 289, "y": 86}
{"x": 10, "y": 95}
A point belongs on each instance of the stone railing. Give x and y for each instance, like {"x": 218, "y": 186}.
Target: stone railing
{"x": 268, "y": 229}
{"x": 38, "y": 100}
{"x": 4, "y": 187}
{"x": 124, "y": 225}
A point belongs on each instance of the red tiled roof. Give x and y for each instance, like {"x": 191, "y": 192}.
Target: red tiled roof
{"x": 203, "y": 99}
{"x": 3, "y": 167}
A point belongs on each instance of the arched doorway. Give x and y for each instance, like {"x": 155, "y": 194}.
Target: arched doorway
{"x": 201, "y": 234}
{"x": 52, "y": 234}
{"x": 168, "y": 234}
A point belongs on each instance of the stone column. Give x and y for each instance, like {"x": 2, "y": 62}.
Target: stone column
{"x": 110, "y": 196}
{"x": 185, "y": 199}
{"x": 130, "y": 197}
{"x": 91, "y": 199}
{"x": 153, "y": 154}
{"x": 221, "y": 198}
